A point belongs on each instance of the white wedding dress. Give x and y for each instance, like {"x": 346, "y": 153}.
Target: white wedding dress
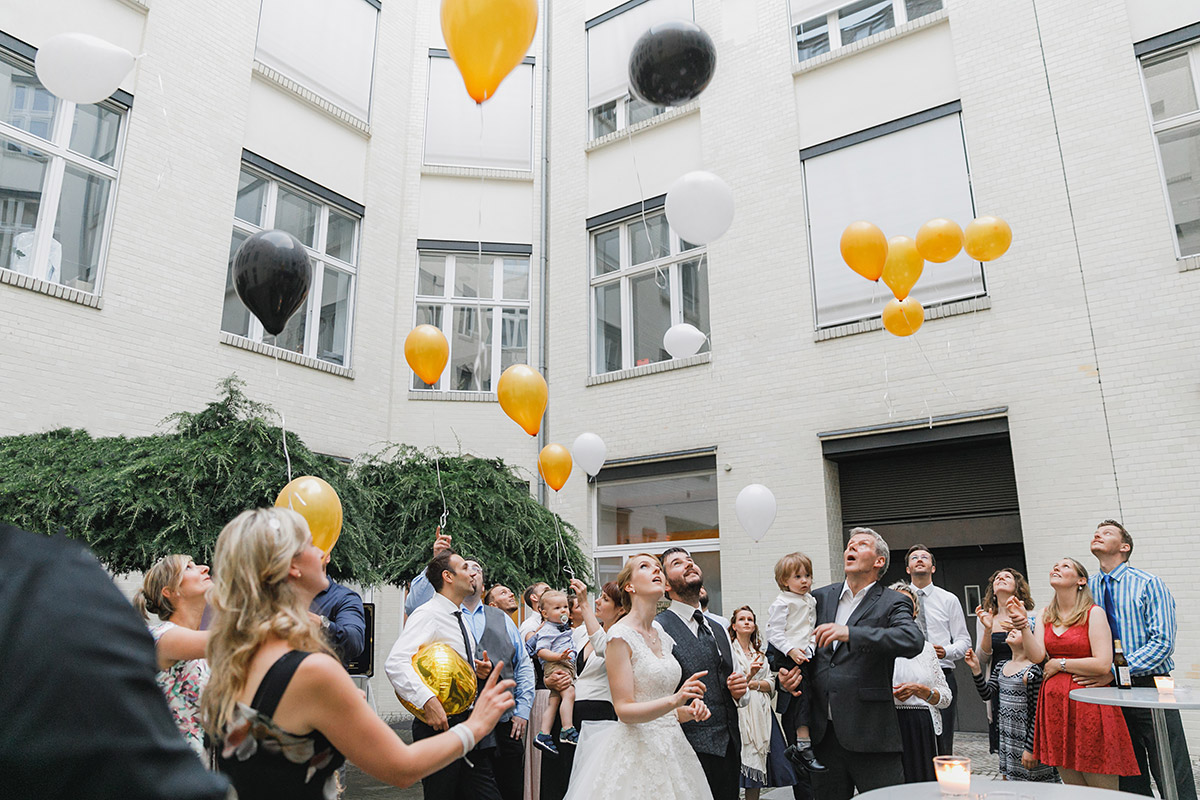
{"x": 644, "y": 760}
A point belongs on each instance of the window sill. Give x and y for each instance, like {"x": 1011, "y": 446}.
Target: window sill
{"x": 951, "y": 309}
{"x": 662, "y": 119}
{"x": 520, "y": 175}
{"x": 456, "y": 397}
{"x": 67, "y": 293}
{"x": 233, "y": 340}
{"x": 1189, "y": 263}
{"x": 650, "y": 369}
{"x": 921, "y": 23}
{"x": 322, "y": 104}
{"x": 138, "y": 5}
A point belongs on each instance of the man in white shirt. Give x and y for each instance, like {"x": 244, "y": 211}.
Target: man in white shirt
{"x": 533, "y": 618}
{"x": 944, "y": 624}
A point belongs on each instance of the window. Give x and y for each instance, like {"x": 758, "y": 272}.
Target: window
{"x": 914, "y": 175}
{"x": 321, "y": 328}
{"x": 649, "y": 515}
{"x": 58, "y": 173}
{"x": 482, "y": 305}
{"x": 460, "y": 132}
{"x": 326, "y": 45}
{"x": 610, "y": 40}
{"x": 1171, "y": 88}
{"x": 644, "y": 280}
{"x": 824, "y": 27}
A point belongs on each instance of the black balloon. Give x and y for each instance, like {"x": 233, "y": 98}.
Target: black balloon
{"x": 272, "y": 275}
{"x": 672, "y": 63}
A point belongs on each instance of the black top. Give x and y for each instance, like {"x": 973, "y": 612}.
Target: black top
{"x": 265, "y": 761}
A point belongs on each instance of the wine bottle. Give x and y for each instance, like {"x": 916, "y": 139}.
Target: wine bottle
{"x": 1121, "y": 666}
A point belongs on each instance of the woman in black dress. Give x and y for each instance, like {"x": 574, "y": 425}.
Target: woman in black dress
{"x": 992, "y": 626}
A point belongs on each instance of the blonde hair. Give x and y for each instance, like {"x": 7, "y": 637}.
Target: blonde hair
{"x": 788, "y": 566}
{"x": 1070, "y": 617}
{"x": 626, "y": 575}
{"x": 253, "y": 600}
{"x": 551, "y": 594}
{"x": 167, "y": 573}
{"x": 906, "y": 590}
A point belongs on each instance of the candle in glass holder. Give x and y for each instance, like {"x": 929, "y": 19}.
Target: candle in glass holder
{"x": 953, "y": 774}
{"x": 1165, "y": 684}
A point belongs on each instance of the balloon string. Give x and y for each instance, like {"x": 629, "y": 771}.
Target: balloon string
{"x": 438, "y": 468}
{"x": 929, "y": 363}
{"x": 479, "y": 262}
{"x": 283, "y": 423}
{"x": 560, "y": 545}
{"x": 660, "y": 277}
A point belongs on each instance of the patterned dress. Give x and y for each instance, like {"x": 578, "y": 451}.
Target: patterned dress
{"x": 182, "y": 683}
{"x": 1016, "y": 698}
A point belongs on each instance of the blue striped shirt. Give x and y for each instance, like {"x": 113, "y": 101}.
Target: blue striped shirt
{"x": 1145, "y": 612}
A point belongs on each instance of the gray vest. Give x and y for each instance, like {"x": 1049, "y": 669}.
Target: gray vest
{"x": 498, "y": 644}
{"x": 712, "y": 736}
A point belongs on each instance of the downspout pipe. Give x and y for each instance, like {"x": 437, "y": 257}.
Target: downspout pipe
{"x": 544, "y": 236}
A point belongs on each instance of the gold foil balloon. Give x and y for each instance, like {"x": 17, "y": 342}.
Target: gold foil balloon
{"x": 316, "y": 501}
{"x": 903, "y": 317}
{"x": 522, "y": 393}
{"x": 939, "y": 240}
{"x": 554, "y": 463}
{"x": 864, "y": 249}
{"x": 903, "y": 267}
{"x": 447, "y": 675}
{"x": 487, "y": 39}
{"x": 987, "y": 238}
{"x": 427, "y": 351}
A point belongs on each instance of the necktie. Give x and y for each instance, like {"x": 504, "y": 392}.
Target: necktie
{"x": 1110, "y": 608}
{"x": 466, "y": 639}
{"x": 921, "y": 618}
{"x": 705, "y": 635}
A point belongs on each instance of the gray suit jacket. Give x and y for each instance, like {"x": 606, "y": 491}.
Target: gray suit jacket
{"x": 711, "y": 736}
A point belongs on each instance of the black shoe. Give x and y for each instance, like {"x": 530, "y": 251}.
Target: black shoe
{"x": 804, "y": 758}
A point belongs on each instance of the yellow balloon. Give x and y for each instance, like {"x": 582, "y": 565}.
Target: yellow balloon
{"x": 987, "y": 238}
{"x": 864, "y": 249}
{"x": 316, "y": 501}
{"x": 939, "y": 240}
{"x": 903, "y": 317}
{"x": 522, "y": 393}
{"x": 904, "y": 266}
{"x": 427, "y": 351}
{"x": 554, "y": 464}
{"x": 487, "y": 39}
{"x": 447, "y": 675}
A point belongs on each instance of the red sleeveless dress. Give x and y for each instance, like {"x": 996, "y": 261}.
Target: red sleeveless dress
{"x": 1079, "y": 736}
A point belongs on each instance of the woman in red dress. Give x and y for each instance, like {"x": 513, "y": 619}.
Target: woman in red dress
{"x": 1088, "y": 743}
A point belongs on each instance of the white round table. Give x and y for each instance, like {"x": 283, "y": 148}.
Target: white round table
{"x": 988, "y": 789}
{"x": 1158, "y": 703}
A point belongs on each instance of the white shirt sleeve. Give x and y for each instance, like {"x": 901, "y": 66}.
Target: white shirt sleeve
{"x": 417, "y": 631}
{"x": 777, "y": 624}
{"x": 960, "y": 639}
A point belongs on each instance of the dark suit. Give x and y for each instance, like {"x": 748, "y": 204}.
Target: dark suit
{"x": 854, "y": 728}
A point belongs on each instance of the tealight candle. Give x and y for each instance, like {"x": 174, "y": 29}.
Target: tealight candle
{"x": 1165, "y": 684}
{"x": 953, "y": 774}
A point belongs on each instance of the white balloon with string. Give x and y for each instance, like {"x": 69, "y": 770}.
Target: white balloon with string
{"x": 589, "y": 452}
{"x": 683, "y": 340}
{"x": 755, "y": 509}
{"x": 82, "y": 68}
{"x": 699, "y": 207}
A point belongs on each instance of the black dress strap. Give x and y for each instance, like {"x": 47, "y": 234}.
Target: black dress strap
{"x": 276, "y": 681}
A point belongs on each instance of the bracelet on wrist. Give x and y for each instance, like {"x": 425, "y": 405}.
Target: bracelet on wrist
{"x": 466, "y": 736}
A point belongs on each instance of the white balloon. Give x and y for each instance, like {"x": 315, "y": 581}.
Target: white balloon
{"x": 82, "y": 68}
{"x": 683, "y": 340}
{"x": 699, "y": 207}
{"x": 589, "y": 452}
{"x": 755, "y": 507}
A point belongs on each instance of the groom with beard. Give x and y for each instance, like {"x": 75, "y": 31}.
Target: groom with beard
{"x": 702, "y": 644}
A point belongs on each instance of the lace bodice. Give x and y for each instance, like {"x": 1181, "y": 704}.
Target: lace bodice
{"x": 653, "y": 677}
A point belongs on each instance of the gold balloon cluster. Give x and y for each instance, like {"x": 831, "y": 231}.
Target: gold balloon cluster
{"x": 900, "y": 261}
{"x": 447, "y": 675}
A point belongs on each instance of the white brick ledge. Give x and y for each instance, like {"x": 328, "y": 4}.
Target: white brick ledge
{"x": 1188, "y": 263}
{"x": 662, "y": 119}
{"x": 233, "y": 340}
{"x": 71, "y": 295}
{"x": 322, "y": 104}
{"x": 138, "y": 5}
{"x": 459, "y": 397}
{"x": 875, "y": 323}
{"x": 650, "y": 369}
{"x": 521, "y": 175}
{"x": 900, "y": 31}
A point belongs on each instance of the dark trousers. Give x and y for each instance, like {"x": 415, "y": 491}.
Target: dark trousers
{"x": 509, "y": 765}
{"x": 460, "y": 780}
{"x": 1145, "y": 748}
{"x": 945, "y": 742}
{"x": 723, "y": 773}
{"x": 802, "y": 790}
{"x": 847, "y": 770}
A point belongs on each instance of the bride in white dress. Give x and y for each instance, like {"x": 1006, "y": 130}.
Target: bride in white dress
{"x": 645, "y": 754}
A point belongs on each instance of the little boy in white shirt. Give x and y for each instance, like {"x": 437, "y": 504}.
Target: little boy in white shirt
{"x": 790, "y": 623}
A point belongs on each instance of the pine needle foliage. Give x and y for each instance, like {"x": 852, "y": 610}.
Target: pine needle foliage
{"x": 135, "y": 499}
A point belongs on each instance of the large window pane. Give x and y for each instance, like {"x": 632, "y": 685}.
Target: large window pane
{"x": 693, "y": 279}
{"x": 650, "y": 239}
{"x": 334, "y": 321}
{"x": 608, "y": 251}
{"x": 298, "y": 216}
{"x": 22, "y": 172}
{"x": 339, "y": 239}
{"x": 604, "y": 119}
{"x": 473, "y": 277}
{"x": 516, "y": 279}
{"x": 25, "y": 102}
{"x": 678, "y": 508}
{"x": 251, "y": 198}
{"x": 94, "y": 133}
{"x": 427, "y": 315}
{"x": 608, "y": 327}
{"x": 638, "y": 111}
{"x": 460, "y": 132}
{"x": 514, "y": 337}
{"x": 292, "y": 336}
{"x": 651, "y": 298}
{"x": 812, "y": 38}
{"x": 1180, "y": 149}
{"x": 607, "y": 569}
{"x": 431, "y": 276}
{"x": 235, "y": 317}
{"x": 79, "y": 227}
{"x": 865, "y": 18}
{"x": 919, "y": 8}
{"x": 1170, "y": 87}
{"x": 471, "y": 350}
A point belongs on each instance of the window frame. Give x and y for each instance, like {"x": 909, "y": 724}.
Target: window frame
{"x": 834, "y": 28}
{"x": 496, "y": 305}
{"x": 59, "y": 156}
{"x": 628, "y": 271}
{"x": 318, "y": 258}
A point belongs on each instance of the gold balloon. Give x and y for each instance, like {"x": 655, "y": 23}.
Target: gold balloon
{"x": 522, "y": 393}
{"x": 904, "y": 266}
{"x": 554, "y": 464}
{"x": 939, "y": 240}
{"x": 487, "y": 39}
{"x": 987, "y": 238}
{"x": 903, "y": 317}
{"x": 864, "y": 249}
{"x": 427, "y": 351}
{"x": 447, "y": 675}
{"x": 316, "y": 501}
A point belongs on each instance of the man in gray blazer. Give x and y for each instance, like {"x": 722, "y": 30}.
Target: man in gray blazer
{"x": 862, "y": 628}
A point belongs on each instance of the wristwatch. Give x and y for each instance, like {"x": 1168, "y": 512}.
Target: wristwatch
{"x": 1062, "y": 664}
